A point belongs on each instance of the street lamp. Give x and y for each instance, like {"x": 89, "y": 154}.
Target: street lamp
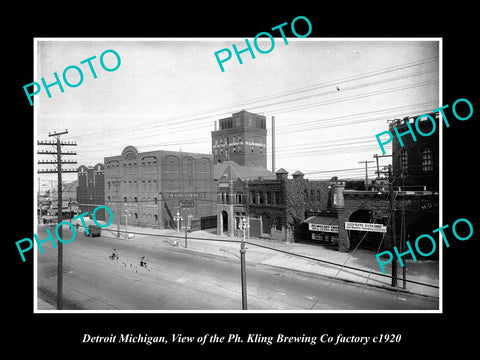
{"x": 243, "y": 273}
{"x": 126, "y": 223}
{"x": 177, "y": 219}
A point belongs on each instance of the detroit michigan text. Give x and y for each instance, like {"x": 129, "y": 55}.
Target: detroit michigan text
{"x": 337, "y": 339}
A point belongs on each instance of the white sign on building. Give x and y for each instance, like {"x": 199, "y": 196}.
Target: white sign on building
{"x": 324, "y": 228}
{"x": 365, "y": 227}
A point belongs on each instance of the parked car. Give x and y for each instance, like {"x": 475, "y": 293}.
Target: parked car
{"x": 93, "y": 230}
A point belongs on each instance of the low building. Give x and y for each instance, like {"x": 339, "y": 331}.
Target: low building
{"x": 274, "y": 208}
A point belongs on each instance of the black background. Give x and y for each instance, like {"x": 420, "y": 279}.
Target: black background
{"x": 56, "y": 335}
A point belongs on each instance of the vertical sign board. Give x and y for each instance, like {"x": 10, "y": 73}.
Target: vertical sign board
{"x": 365, "y": 227}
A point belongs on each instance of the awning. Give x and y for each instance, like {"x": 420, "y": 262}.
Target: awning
{"x": 322, "y": 223}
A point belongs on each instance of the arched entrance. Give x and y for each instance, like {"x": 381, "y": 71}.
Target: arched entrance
{"x": 364, "y": 239}
{"x": 224, "y": 221}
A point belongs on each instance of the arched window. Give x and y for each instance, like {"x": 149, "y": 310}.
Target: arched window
{"x": 427, "y": 159}
{"x": 266, "y": 223}
{"x": 278, "y": 223}
{"x": 253, "y": 197}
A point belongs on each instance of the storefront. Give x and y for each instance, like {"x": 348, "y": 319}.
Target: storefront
{"x": 323, "y": 228}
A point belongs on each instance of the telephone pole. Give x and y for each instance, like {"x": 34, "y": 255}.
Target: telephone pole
{"x": 366, "y": 172}
{"x": 393, "y": 224}
{"x": 117, "y": 197}
{"x": 57, "y": 144}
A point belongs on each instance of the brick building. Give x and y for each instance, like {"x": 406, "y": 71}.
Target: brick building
{"x": 416, "y": 164}
{"x": 148, "y": 186}
{"x": 91, "y": 189}
{"x": 275, "y": 208}
{"x": 241, "y": 138}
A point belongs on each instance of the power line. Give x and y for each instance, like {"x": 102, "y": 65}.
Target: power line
{"x": 214, "y": 111}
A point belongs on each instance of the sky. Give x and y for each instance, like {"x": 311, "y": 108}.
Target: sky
{"x": 330, "y": 97}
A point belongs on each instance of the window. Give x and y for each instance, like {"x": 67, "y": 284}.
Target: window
{"x": 278, "y": 223}
{"x": 427, "y": 159}
{"x": 239, "y": 198}
{"x": 403, "y": 160}
{"x": 269, "y": 198}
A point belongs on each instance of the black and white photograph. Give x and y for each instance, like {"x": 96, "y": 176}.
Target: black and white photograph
{"x": 249, "y": 182}
{"x": 229, "y": 191}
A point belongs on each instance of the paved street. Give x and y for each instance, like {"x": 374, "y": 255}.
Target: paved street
{"x": 180, "y": 279}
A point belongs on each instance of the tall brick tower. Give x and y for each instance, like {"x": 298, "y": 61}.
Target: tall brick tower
{"x": 241, "y": 138}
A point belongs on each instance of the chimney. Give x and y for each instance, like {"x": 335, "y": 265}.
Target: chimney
{"x": 215, "y": 125}
{"x": 297, "y": 175}
{"x": 336, "y": 194}
{"x": 273, "y": 144}
{"x": 282, "y": 174}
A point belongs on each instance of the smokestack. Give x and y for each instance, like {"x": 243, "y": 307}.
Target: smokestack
{"x": 273, "y": 144}
{"x": 215, "y": 122}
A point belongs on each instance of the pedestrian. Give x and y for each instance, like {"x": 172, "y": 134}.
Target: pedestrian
{"x": 114, "y": 255}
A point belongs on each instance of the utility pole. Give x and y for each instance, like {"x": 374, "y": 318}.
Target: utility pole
{"x": 378, "y": 167}
{"x": 117, "y": 197}
{"x": 394, "y": 237}
{"x": 58, "y": 152}
{"x": 366, "y": 172}
{"x": 376, "y": 156}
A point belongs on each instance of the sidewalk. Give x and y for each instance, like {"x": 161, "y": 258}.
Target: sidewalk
{"x": 426, "y": 272}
